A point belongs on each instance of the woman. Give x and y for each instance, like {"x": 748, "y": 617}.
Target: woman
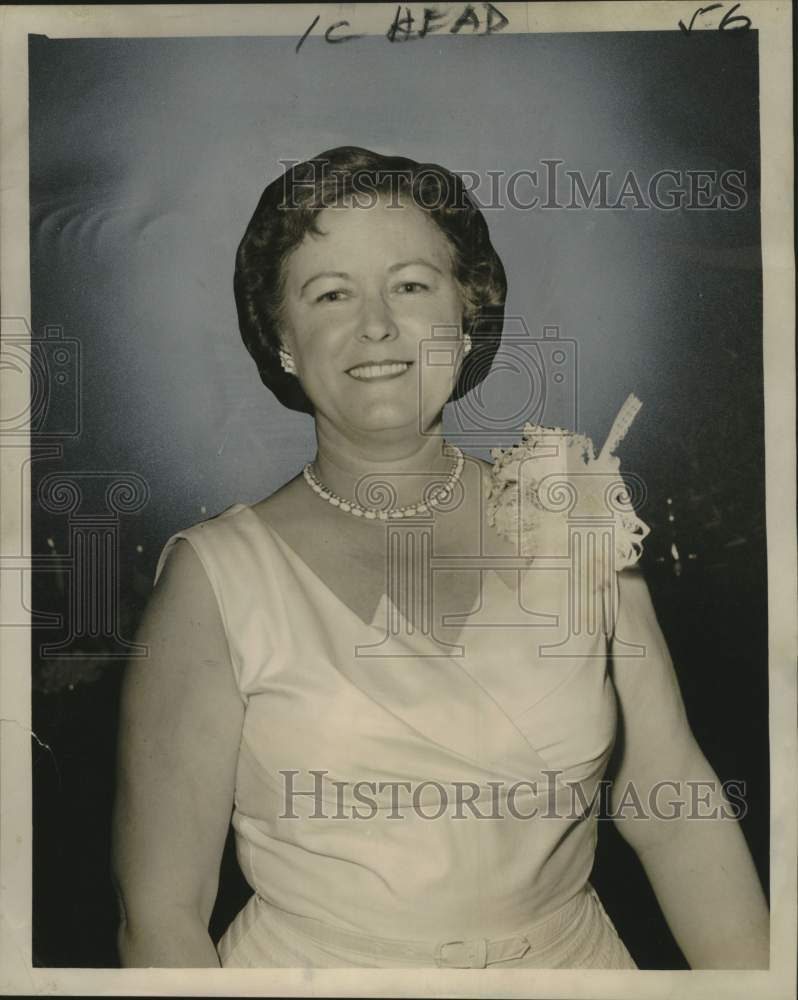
{"x": 378, "y": 672}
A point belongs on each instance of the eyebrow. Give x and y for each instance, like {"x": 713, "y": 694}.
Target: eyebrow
{"x": 323, "y": 274}
{"x": 415, "y": 260}
{"x": 391, "y": 270}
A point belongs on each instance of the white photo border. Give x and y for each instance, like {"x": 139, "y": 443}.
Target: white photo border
{"x": 17, "y": 975}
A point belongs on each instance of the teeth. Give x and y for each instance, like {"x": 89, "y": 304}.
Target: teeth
{"x": 375, "y": 371}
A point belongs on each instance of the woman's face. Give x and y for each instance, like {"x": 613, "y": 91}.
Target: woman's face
{"x": 360, "y": 306}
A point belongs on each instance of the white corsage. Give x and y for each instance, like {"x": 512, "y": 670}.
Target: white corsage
{"x": 552, "y": 485}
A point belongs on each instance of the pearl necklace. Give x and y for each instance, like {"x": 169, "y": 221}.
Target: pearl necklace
{"x": 437, "y": 497}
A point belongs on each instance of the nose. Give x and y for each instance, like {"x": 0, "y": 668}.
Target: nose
{"x": 377, "y": 320}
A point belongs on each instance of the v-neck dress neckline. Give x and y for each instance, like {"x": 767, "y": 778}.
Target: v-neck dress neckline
{"x": 378, "y": 618}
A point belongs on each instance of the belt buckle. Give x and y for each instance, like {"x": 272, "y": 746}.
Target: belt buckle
{"x": 465, "y": 954}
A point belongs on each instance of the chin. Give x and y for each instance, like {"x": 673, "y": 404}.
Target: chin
{"x": 390, "y": 417}
{"x": 385, "y": 420}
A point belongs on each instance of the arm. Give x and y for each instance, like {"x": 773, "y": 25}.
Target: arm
{"x": 700, "y": 869}
{"x": 180, "y": 726}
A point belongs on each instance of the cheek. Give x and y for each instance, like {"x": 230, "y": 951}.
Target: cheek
{"x": 313, "y": 328}
{"x": 446, "y": 311}
{"x": 305, "y": 335}
{"x": 455, "y": 307}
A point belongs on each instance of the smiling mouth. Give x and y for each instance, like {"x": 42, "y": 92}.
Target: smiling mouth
{"x": 375, "y": 372}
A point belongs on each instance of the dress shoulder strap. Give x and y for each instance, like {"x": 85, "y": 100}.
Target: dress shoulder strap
{"x": 238, "y": 570}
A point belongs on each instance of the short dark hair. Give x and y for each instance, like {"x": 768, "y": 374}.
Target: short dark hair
{"x": 287, "y": 211}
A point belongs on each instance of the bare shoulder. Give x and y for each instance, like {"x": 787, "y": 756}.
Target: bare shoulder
{"x": 183, "y": 589}
{"x": 637, "y": 618}
{"x": 181, "y": 630}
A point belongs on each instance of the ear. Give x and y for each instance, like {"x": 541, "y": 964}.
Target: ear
{"x": 285, "y": 340}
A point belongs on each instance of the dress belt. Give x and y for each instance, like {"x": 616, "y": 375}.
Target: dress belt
{"x": 477, "y": 953}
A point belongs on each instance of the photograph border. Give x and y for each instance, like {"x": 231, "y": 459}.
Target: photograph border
{"x": 772, "y": 20}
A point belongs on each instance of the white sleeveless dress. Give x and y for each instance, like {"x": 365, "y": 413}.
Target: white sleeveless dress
{"x": 386, "y": 728}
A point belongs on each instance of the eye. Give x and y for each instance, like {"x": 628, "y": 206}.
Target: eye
{"x": 411, "y": 287}
{"x": 334, "y": 295}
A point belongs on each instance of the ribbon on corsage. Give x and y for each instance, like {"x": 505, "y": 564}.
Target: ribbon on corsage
{"x": 553, "y": 495}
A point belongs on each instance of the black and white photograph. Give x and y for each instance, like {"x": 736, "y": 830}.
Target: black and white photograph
{"x": 398, "y": 569}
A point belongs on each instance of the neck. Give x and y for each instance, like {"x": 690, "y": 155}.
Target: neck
{"x": 404, "y": 463}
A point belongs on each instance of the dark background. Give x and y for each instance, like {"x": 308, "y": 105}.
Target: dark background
{"x": 147, "y": 157}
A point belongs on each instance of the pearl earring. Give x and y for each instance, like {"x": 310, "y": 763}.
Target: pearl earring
{"x": 466, "y": 343}
{"x": 287, "y": 362}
